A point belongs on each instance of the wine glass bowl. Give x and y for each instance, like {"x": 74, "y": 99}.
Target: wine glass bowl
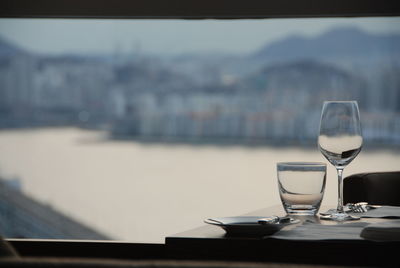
{"x": 340, "y": 141}
{"x": 340, "y": 150}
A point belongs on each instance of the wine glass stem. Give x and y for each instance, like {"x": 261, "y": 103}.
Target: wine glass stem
{"x": 340, "y": 189}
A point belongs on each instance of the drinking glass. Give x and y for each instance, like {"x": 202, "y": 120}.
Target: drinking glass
{"x": 340, "y": 141}
{"x": 301, "y": 186}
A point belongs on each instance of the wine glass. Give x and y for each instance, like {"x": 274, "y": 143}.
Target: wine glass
{"x": 340, "y": 141}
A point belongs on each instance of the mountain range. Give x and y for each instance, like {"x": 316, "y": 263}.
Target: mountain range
{"x": 337, "y": 43}
{"x": 8, "y": 49}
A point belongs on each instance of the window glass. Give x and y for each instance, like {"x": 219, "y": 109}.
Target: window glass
{"x": 138, "y": 129}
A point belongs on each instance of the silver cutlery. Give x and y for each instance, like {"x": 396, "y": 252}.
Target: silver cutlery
{"x": 360, "y": 207}
{"x": 274, "y": 219}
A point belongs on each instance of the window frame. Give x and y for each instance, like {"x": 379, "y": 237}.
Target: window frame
{"x": 196, "y": 9}
{"x": 168, "y": 9}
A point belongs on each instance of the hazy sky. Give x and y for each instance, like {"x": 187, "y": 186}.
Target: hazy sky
{"x": 171, "y": 37}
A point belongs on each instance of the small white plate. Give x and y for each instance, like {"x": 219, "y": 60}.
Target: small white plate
{"x": 248, "y": 225}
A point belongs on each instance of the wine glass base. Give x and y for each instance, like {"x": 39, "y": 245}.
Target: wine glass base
{"x": 339, "y": 216}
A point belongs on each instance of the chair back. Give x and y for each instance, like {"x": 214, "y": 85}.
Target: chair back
{"x": 377, "y": 188}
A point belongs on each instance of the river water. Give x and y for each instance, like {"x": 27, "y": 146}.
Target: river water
{"x": 142, "y": 192}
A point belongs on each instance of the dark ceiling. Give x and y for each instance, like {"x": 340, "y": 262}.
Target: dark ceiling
{"x": 196, "y": 9}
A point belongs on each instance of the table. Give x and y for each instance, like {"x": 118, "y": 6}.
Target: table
{"x": 210, "y": 242}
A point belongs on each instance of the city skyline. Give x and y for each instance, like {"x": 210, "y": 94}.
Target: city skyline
{"x": 257, "y": 97}
{"x": 171, "y": 37}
